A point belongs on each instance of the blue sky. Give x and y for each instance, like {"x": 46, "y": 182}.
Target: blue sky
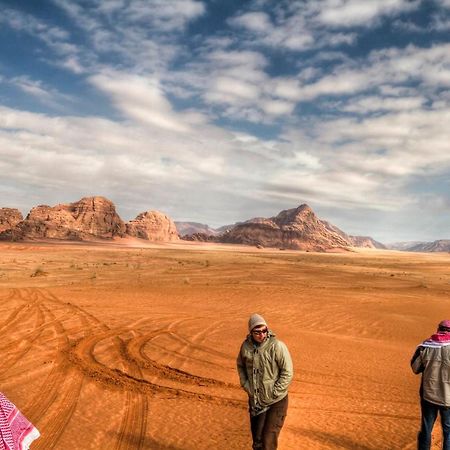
{"x": 217, "y": 111}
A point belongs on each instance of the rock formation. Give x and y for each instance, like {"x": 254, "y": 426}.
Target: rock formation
{"x": 356, "y": 241}
{"x": 441, "y": 245}
{"x": 297, "y": 228}
{"x": 366, "y": 242}
{"x": 89, "y": 218}
{"x": 200, "y": 237}
{"x": 191, "y": 228}
{"x": 153, "y": 226}
{"x": 9, "y": 218}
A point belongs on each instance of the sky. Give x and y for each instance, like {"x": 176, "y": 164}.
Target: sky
{"x": 218, "y": 111}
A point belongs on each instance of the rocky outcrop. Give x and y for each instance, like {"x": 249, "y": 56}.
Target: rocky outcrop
{"x": 89, "y": 218}
{"x": 191, "y": 228}
{"x": 297, "y": 228}
{"x": 356, "y": 241}
{"x": 200, "y": 237}
{"x": 153, "y": 226}
{"x": 226, "y": 228}
{"x": 9, "y": 218}
{"x": 366, "y": 242}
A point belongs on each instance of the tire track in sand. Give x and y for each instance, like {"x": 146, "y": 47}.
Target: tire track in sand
{"x": 133, "y": 426}
{"x": 136, "y": 412}
{"x": 82, "y": 355}
{"x": 54, "y": 405}
{"x": 18, "y": 348}
{"x": 135, "y": 351}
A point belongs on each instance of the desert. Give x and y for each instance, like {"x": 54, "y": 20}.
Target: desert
{"x": 132, "y": 345}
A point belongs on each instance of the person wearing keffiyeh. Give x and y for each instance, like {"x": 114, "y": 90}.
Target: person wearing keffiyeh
{"x": 432, "y": 360}
{"x": 16, "y": 432}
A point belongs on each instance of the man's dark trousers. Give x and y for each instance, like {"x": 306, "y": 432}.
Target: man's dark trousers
{"x": 267, "y": 426}
{"x": 429, "y": 414}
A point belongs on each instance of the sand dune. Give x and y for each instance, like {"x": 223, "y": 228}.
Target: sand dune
{"x": 120, "y": 347}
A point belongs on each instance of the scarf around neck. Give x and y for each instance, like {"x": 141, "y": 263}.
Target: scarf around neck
{"x": 16, "y": 432}
{"x": 439, "y": 339}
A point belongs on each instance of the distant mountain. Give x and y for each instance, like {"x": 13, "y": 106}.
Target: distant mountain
{"x": 356, "y": 241}
{"x": 96, "y": 218}
{"x": 404, "y": 246}
{"x": 441, "y": 245}
{"x": 225, "y": 228}
{"x": 297, "y": 228}
{"x": 190, "y": 228}
{"x": 200, "y": 237}
{"x": 366, "y": 242}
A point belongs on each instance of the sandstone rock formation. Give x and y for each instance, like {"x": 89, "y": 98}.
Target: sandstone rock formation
{"x": 9, "y": 218}
{"x": 366, "y": 242}
{"x": 89, "y": 218}
{"x": 356, "y": 241}
{"x": 200, "y": 237}
{"x": 191, "y": 228}
{"x": 153, "y": 226}
{"x": 297, "y": 228}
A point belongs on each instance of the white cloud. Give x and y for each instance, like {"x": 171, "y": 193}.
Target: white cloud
{"x": 164, "y": 15}
{"x": 253, "y": 21}
{"x": 140, "y": 98}
{"x": 227, "y": 89}
{"x": 440, "y": 23}
{"x": 299, "y": 26}
{"x": 343, "y": 13}
{"x": 286, "y": 88}
{"x": 341, "y": 83}
{"x": 29, "y": 24}
{"x": 277, "y": 107}
{"x": 391, "y": 66}
{"x": 371, "y": 103}
{"x": 444, "y": 3}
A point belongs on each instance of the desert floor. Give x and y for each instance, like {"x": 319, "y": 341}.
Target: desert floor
{"x": 118, "y": 347}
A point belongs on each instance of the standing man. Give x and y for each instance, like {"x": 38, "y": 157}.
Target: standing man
{"x": 265, "y": 372}
{"x": 432, "y": 359}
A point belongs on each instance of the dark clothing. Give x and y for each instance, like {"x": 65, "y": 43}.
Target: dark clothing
{"x": 429, "y": 415}
{"x": 267, "y": 426}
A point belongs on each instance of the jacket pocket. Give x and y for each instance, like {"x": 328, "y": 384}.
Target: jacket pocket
{"x": 267, "y": 388}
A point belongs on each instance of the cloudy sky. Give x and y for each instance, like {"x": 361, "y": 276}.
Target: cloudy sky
{"x": 217, "y": 111}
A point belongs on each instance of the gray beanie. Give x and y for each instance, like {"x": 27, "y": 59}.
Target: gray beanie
{"x": 255, "y": 320}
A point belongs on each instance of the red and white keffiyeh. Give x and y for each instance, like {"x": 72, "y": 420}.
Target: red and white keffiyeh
{"x": 16, "y": 432}
{"x": 439, "y": 339}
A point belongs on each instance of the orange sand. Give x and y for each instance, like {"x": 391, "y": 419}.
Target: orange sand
{"x": 118, "y": 347}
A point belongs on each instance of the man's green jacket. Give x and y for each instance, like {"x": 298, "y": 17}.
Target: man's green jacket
{"x": 265, "y": 371}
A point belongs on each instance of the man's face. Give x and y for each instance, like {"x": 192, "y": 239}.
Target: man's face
{"x": 259, "y": 333}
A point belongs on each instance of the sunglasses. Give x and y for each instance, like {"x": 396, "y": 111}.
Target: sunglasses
{"x": 264, "y": 331}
